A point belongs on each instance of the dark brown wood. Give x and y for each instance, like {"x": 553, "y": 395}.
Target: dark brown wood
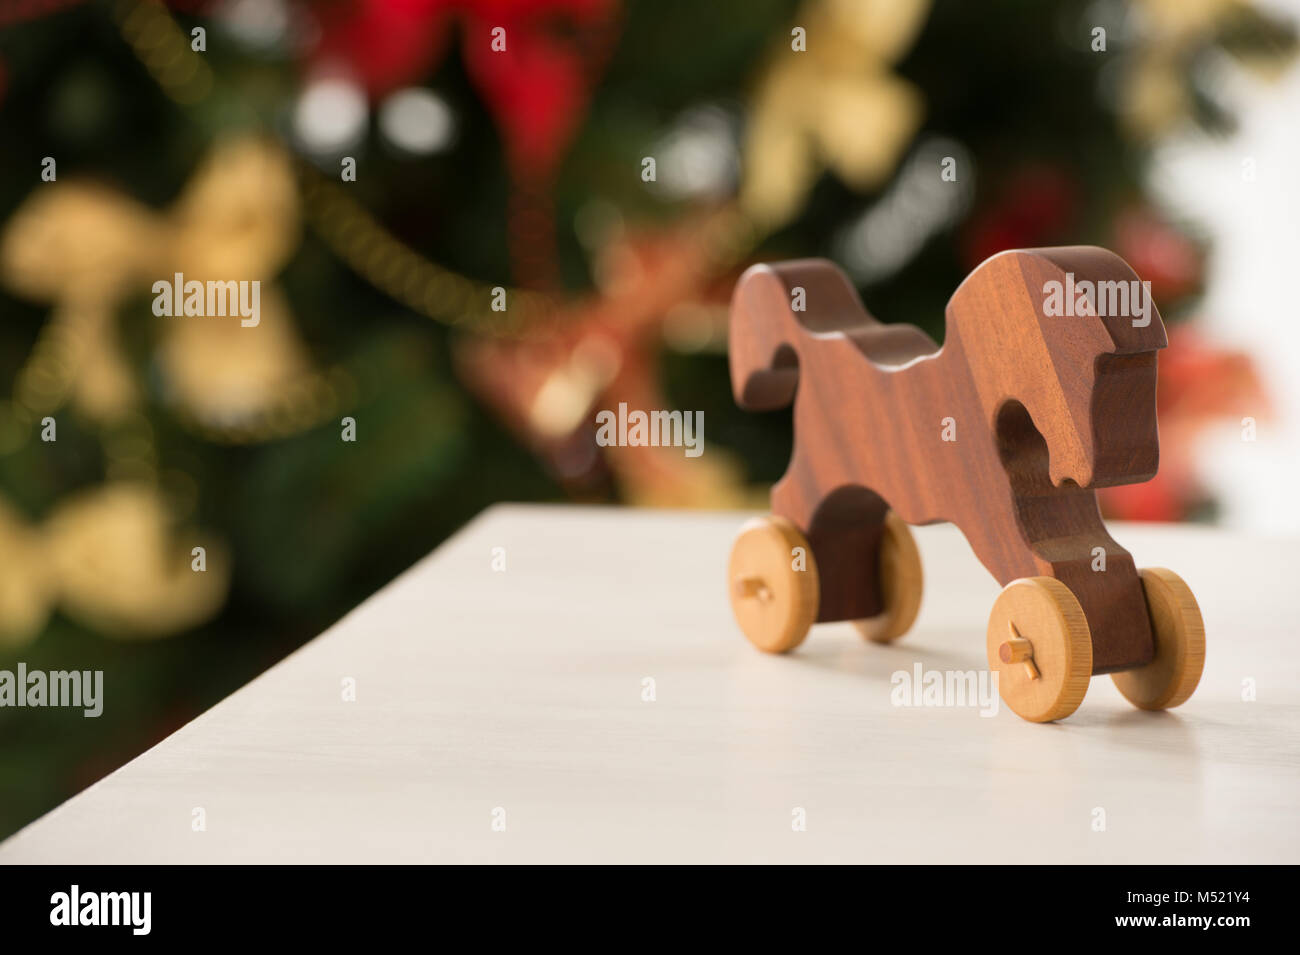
{"x": 1046, "y": 408}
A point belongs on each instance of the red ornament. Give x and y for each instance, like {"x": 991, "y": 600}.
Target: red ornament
{"x": 385, "y": 44}
{"x": 1162, "y": 255}
{"x": 534, "y": 62}
{"x": 1036, "y": 206}
{"x": 538, "y": 85}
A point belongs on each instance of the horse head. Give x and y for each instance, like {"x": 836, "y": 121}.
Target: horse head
{"x": 1068, "y": 336}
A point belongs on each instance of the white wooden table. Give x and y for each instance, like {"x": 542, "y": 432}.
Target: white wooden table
{"x": 479, "y": 690}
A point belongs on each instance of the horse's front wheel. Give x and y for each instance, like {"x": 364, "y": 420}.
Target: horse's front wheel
{"x": 1040, "y": 647}
{"x": 1179, "y": 633}
{"x": 901, "y": 583}
{"x": 773, "y": 582}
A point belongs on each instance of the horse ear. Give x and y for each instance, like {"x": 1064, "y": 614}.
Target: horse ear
{"x": 1135, "y": 326}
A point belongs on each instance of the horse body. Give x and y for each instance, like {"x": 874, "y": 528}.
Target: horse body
{"x": 1005, "y": 431}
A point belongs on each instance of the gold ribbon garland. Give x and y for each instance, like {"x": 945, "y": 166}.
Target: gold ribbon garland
{"x": 352, "y": 233}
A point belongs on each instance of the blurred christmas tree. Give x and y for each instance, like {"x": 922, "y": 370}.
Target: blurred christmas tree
{"x": 383, "y": 167}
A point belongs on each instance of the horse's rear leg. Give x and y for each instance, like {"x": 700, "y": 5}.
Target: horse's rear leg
{"x": 844, "y": 527}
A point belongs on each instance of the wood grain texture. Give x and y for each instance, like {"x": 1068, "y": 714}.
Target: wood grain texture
{"x": 1046, "y": 409}
{"x": 523, "y": 690}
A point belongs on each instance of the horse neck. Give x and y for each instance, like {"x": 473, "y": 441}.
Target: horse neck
{"x": 1013, "y": 370}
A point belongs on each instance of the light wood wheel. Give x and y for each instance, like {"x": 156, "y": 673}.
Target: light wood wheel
{"x": 1179, "y": 633}
{"x": 901, "y": 583}
{"x": 1040, "y": 647}
{"x": 774, "y": 602}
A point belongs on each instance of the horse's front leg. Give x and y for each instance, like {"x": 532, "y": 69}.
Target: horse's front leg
{"x": 1102, "y": 576}
{"x": 1059, "y": 533}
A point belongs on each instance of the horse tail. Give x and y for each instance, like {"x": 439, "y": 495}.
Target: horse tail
{"x": 767, "y": 333}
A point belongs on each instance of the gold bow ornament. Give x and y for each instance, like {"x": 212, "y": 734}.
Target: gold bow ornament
{"x": 112, "y": 559}
{"x": 82, "y": 246}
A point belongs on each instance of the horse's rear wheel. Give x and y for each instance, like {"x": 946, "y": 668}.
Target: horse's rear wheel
{"x": 1040, "y": 647}
{"x": 1179, "y": 633}
{"x": 901, "y": 583}
{"x": 773, "y": 582}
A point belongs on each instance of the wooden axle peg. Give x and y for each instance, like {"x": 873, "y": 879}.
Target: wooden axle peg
{"x": 753, "y": 587}
{"x": 1018, "y": 650}
{"x": 1015, "y": 650}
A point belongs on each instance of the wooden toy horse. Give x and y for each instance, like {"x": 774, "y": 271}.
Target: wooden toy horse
{"x": 1005, "y": 431}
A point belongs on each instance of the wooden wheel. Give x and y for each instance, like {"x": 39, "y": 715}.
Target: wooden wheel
{"x": 774, "y": 602}
{"x": 1040, "y": 647}
{"x": 901, "y": 583}
{"x": 1179, "y": 633}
